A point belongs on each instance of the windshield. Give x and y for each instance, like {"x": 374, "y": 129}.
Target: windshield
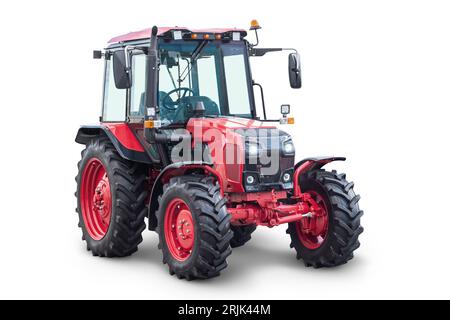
{"x": 212, "y": 73}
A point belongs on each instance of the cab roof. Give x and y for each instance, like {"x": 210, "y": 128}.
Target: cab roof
{"x": 145, "y": 34}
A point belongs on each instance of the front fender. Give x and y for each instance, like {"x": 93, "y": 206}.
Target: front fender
{"x": 310, "y": 164}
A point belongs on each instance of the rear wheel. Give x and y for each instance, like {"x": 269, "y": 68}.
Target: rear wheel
{"x": 111, "y": 194}
{"x": 329, "y": 237}
{"x": 193, "y": 227}
{"x": 242, "y": 235}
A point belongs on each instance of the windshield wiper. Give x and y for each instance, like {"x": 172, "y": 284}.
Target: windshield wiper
{"x": 198, "y": 51}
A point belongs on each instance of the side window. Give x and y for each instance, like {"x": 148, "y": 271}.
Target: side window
{"x": 138, "y": 64}
{"x": 114, "y": 102}
{"x": 207, "y": 81}
{"x": 236, "y": 79}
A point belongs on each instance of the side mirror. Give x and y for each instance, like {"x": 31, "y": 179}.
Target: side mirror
{"x": 295, "y": 76}
{"x": 97, "y": 54}
{"x": 121, "y": 73}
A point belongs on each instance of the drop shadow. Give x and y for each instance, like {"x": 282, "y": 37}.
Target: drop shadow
{"x": 242, "y": 262}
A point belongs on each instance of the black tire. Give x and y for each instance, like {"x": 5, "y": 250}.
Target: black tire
{"x": 211, "y": 226}
{"x": 242, "y": 235}
{"x": 128, "y": 184}
{"x": 344, "y": 217}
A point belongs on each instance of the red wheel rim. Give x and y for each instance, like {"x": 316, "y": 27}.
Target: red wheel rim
{"x": 95, "y": 199}
{"x": 312, "y": 232}
{"x": 179, "y": 229}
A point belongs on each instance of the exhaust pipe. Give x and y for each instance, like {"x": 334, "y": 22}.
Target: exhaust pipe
{"x": 151, "y": 95}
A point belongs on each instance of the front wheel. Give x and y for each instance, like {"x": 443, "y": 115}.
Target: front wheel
{"x": 330, "y": 237}
{"x": 194, "y": 227}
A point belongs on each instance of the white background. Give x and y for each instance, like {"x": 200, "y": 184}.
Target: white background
{"x": 376, "y": 89}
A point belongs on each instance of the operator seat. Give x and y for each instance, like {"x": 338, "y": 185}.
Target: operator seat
{"x": 183, "y": 113}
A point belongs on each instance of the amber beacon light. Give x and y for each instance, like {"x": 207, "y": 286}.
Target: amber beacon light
{"x": 254, "y": 25}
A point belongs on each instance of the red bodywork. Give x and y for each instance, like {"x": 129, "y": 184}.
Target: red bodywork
{"x": 224, "y": 144}
{"x": 125, "y": 136}
{"x": 262, "y": 208}
{"x": 266, "y": 209}
{"x": 145, "y": 34}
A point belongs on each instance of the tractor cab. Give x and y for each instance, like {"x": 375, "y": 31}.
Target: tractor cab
{"x": 165, "y": 77}
{"x": 208, "y": 67}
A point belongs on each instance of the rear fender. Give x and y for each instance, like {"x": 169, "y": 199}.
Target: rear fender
{"x": 120, "y": 135}
{"x": 175, "y": 170}
{"x": 310, "y": 164}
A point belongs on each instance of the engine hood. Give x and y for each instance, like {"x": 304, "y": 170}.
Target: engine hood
{"x": 229, "y": 123}
{"x": 248, "y": 129}
{"x": 230, "y": 144}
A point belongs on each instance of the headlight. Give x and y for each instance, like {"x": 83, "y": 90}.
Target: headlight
{"x": 288, "y": 148}
{"x": 250, "y": 180}
{"x": 252, "y": 150}
{"x": 286, "y": 177}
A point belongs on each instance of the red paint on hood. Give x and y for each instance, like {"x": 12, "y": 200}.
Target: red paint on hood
{"x": 228, "y": 123}
{"x": 226, "y": 145}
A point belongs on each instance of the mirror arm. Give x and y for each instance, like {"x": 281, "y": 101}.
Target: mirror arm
{"x": 127, "y": 57}
{"x": 259, "y": 52}
{"x": 290, "y": 49}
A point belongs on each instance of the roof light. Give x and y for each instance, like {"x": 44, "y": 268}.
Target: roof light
{"x": 194, "y": 36}
{"x": 254, "y": 25}
{"x": 177, "y": 35}
{"x": 236, "y": 36}
{"x": 206, "y": 37}
{"x": 218, "y": 36}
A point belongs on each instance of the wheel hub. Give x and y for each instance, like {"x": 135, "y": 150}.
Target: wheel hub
{"x": 179, "y": 230}
{"x": 312, "y": 231}
{"x": 102, "y": 199}
{"x": 95, "y": 199}
{"x": 184, "y": 225}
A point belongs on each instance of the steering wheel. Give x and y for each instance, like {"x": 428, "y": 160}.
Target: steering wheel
{"x": 171, "y": 105}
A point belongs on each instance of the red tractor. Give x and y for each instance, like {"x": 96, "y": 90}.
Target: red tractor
{"x": 180, "y": 143}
